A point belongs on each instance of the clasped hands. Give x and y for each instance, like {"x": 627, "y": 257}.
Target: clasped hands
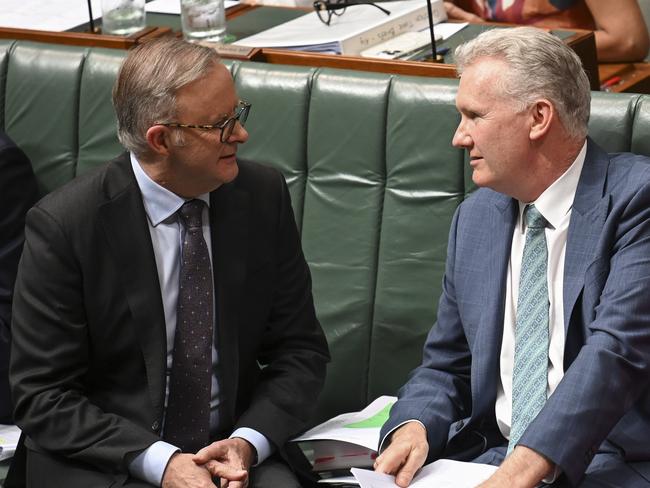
{"x": 229, "y": 460}
{"x": 409, "y": 448}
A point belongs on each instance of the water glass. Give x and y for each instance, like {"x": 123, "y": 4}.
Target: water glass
{"x": 203, "y": 20}
{"x": 123, "y": 17}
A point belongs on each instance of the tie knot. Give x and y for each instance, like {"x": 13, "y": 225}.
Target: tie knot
{"x": 191, "y": 214}
{"x": 534, "y": 219}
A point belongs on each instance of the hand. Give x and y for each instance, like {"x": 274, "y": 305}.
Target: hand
{"x": 183, "y": 472}
{"x": 229, "y": 459}
{"x": 406, "y": 453}
{"x": 457, "y": 13}
{"x": 523, "y": 468}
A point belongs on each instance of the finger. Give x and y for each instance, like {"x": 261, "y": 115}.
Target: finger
{"x": 390, "y": 462}
{"x": 238, "y": 484}
{"x": 413, "y": 463}
{"x": 225, "y": 471}
{"x": 213, "y": 451}
{"x": 392, "y": 459}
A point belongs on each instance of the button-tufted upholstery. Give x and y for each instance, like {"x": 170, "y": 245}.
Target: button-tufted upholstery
{"x": 373, "y": 177}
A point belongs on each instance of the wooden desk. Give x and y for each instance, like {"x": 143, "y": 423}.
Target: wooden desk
{"x": 81, "y": 35}
{"x": 581, "y": 41}
{"x": 627, "y": 77}
{"x": 84, "y": 38}
{"x": 245, "y": 20}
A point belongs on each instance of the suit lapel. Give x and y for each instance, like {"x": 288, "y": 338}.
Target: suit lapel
{"x": 229, "y": 227}
{"x": 588, "y": 216}
{"x": 485, "y": 366}
{"x": 125, "y": 222}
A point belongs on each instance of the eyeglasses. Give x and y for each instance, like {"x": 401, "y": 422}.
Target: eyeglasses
{"x": 226, "y": 127}
{"x": 327, "y": 8}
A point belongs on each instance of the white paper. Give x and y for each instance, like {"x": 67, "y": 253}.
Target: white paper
{"x": 344, "y": 427}
{"x": 9, "y": 435}
{"x": 58, "y": 15}
{"x": 443, "y": 473}
{"x": 411, "y": 41}
{"x": 174, "y": 6}
{"x": 348, "y": 480}
{"x": 308, "y": 30}
{"x": 447, "y": 29}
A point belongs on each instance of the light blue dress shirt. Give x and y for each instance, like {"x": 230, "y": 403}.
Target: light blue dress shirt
{"x": 167, "y": 232}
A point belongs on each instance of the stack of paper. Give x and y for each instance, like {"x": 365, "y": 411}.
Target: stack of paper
{"x": 360, "y": 27}
{"x": 45, "y": 14}
{"x": 408, "y": 43}
{"x": 347, "y": 440}
{"x": 9, "y": 435}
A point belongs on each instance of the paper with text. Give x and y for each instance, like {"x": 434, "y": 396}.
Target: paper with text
{"x": 60, "y": 15}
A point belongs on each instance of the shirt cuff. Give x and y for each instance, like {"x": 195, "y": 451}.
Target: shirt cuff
{"x": 553, "y": 476}
{"x": 150, "y": 464}
{"x": 383, "y": 444}
{"x": 257, "y": 440}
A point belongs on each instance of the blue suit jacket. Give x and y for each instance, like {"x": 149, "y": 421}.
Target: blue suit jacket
{"x": 604, "y": 393}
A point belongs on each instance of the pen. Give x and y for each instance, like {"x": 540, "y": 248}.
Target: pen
{"x": 614, "y": 80}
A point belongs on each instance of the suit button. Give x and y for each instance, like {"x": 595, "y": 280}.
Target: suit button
{"x": 460, "y": 425}
{"x": 155, "y": 426}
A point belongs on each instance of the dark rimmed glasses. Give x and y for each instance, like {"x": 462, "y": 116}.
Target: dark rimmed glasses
{"x": 327, "y": 8}
{"x": 226, "y": 127}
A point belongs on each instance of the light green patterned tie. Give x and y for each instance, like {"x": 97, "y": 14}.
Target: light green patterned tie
{"x": 530, "y": 373}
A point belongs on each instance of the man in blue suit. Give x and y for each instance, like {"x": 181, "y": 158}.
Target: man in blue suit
{"x": 539, "y": 362}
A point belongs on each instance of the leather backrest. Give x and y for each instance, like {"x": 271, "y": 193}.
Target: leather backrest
{"x": 373, "y": 178}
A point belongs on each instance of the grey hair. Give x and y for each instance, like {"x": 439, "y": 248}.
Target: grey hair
{"x": 146, "y": 86}
{"x": 541, "y": 66}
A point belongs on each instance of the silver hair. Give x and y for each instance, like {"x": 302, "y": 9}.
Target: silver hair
{"x": 146, "y": 86}
{"x": 541, "y": 66}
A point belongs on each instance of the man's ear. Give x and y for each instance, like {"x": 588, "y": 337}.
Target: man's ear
{"x": 159, "y": 139}
{"x": 543, "y": 114}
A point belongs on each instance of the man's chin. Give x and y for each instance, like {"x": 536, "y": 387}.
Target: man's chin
{"x": 479, "y": 178}
{"x": 230, "y": 172}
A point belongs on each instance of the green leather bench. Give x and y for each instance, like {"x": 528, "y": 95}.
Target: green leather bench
{"x": 373, "y": 176}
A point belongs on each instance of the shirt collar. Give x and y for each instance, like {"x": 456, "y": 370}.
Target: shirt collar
{"x": 159, "y": 203}
{"x": 556, "y": 201}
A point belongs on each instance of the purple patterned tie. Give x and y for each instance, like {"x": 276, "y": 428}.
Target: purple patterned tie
{"x": 187, "y": 419}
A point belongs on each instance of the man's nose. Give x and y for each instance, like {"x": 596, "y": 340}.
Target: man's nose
{"x": 239, "y": 134}
{"x": 461, "y": 138}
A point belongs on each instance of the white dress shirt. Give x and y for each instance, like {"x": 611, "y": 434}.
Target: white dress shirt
{"x": 555, "y": 205}
{"x": 166, "y": 233}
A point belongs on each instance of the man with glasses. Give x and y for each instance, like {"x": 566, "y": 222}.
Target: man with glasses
{"x": 165, "y": 332}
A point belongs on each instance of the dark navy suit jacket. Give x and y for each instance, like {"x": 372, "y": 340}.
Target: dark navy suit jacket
{"x": 605, "y": 390}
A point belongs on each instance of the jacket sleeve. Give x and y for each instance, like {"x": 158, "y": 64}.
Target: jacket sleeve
{"x": 50, "y": 357}
{"x": 438, "y": 391}
{"x": 610, "y": 372}
{"x": 293, "y": 350}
